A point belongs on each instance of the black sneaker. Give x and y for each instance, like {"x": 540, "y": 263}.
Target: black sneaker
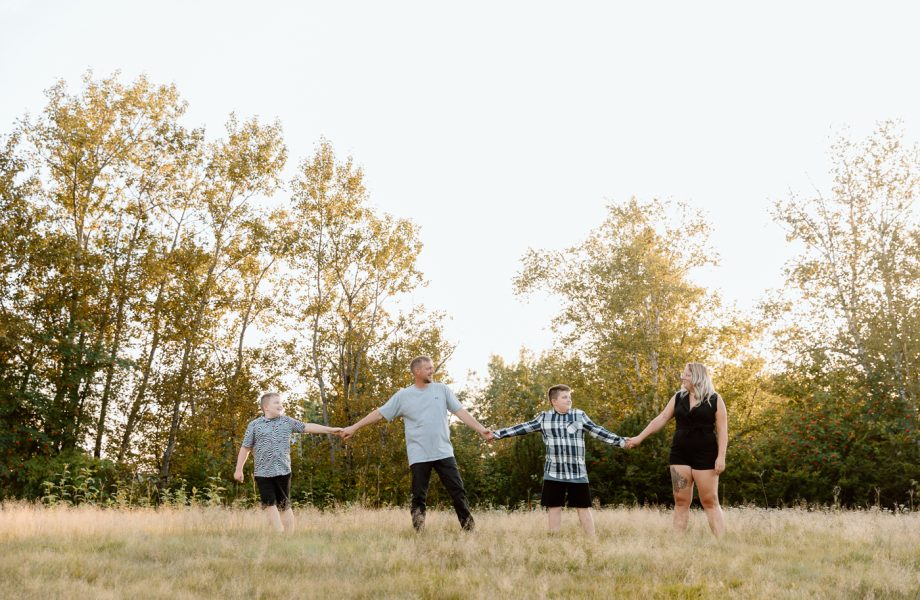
{"x": 418, "y": 521}
{"x": 468, "y": 525}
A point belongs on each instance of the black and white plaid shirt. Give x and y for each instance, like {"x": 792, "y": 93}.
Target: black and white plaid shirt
{"x": 565, "y": 441}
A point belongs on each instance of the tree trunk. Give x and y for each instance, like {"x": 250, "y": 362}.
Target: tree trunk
{"x": 187, "y": 358}
{"x": 139, "y": 399}
{"x": 120, "y": 285}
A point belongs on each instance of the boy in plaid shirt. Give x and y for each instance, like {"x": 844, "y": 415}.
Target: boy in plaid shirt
{"x": 564, "y": 475}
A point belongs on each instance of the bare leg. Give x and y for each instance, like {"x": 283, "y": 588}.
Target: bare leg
{"x": 708, "y": 487}
{"x": 555, "y": 518}
{"x": 287, "y": 520}
{"x": 587, "y": 520}
{"x": 274, "y": 518}
{"x": 682, "y": 483}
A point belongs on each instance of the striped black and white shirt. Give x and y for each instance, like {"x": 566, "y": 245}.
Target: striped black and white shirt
{"x": 270, "y": 440}
{"x": 564, "y": 437}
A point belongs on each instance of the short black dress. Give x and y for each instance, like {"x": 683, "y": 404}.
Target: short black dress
{"x": 695, "y": 442}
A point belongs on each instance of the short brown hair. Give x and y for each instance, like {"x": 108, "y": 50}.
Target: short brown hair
{"x": 417, "y": 361}
{"x": 266, "y": 397}
{"x": 553, "y": 392}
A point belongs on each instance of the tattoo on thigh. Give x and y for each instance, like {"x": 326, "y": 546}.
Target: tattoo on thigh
{"x": 678, "y": 481}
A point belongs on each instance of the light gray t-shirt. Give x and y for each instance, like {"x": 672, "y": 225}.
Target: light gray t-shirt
{"x": 424, "y": 414}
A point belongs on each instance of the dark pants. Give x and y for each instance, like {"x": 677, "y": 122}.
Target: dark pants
{"x": 450, "y": 477}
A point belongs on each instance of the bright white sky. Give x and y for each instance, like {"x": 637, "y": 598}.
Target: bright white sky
{"x": 498, "y": 126}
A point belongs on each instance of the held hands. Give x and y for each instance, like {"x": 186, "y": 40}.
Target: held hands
{"x": 346, "y": 433}
{"x": 487, "y": 435}
{"x": 632, "y": 442}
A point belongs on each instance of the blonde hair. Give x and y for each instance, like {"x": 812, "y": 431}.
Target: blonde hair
{"x": 700, "y": 382}
{"x": 266, "y": 397}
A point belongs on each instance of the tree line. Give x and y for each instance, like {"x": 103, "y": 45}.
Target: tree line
{"x": 154, "y": 280}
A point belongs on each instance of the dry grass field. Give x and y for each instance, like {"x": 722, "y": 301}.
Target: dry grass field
{"x": 358, "y": 553}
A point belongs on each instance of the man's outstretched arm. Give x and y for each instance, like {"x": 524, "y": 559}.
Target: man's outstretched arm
{"x": 371, "y": 418}
{"x": 473, "y": 424}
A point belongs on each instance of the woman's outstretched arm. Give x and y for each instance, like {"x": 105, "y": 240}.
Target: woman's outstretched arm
{"x": 655, "y": 424}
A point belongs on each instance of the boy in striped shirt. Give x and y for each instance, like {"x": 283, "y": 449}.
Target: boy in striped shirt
{"x": 269, "y": 439}
{"x": 565, "y": 477}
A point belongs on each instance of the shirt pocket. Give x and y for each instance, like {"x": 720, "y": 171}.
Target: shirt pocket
{"x": 574, "y": 427}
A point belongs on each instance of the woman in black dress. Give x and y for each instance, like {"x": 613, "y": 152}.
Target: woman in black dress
{"x": 699, "y": 445}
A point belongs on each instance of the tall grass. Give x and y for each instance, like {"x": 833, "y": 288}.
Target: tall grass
{"x": 210, "y": 552}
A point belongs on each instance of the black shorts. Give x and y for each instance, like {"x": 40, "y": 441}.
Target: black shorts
{"x": 555, "y": 493}
{"x": 697, "y": 450}
{"x": 275, "y": 491}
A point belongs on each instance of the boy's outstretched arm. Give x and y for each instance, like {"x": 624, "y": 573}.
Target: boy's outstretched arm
{"x": 317, "y": 428}
{"x": 519, "y": 429}
{"x": 372, "y": 417}
{"x": 608, "y": 437}
{"x": 473, "y": 424}
{"x": 240, "y": 461}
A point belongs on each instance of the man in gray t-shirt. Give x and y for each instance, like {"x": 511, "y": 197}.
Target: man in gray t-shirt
{"x": 424, "y": 408}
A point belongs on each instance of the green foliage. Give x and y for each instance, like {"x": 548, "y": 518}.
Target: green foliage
{"x": 629, "y": 308}
{"x": 631, "y": 477}
{"x": 154, "y": 281}
{"x": 150, "y": 290}
{"x": 843, "y": 449}
{"x": 73, "y": 477}
{"x": 858, "y": 302}
{"x": 80, "y": 487}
